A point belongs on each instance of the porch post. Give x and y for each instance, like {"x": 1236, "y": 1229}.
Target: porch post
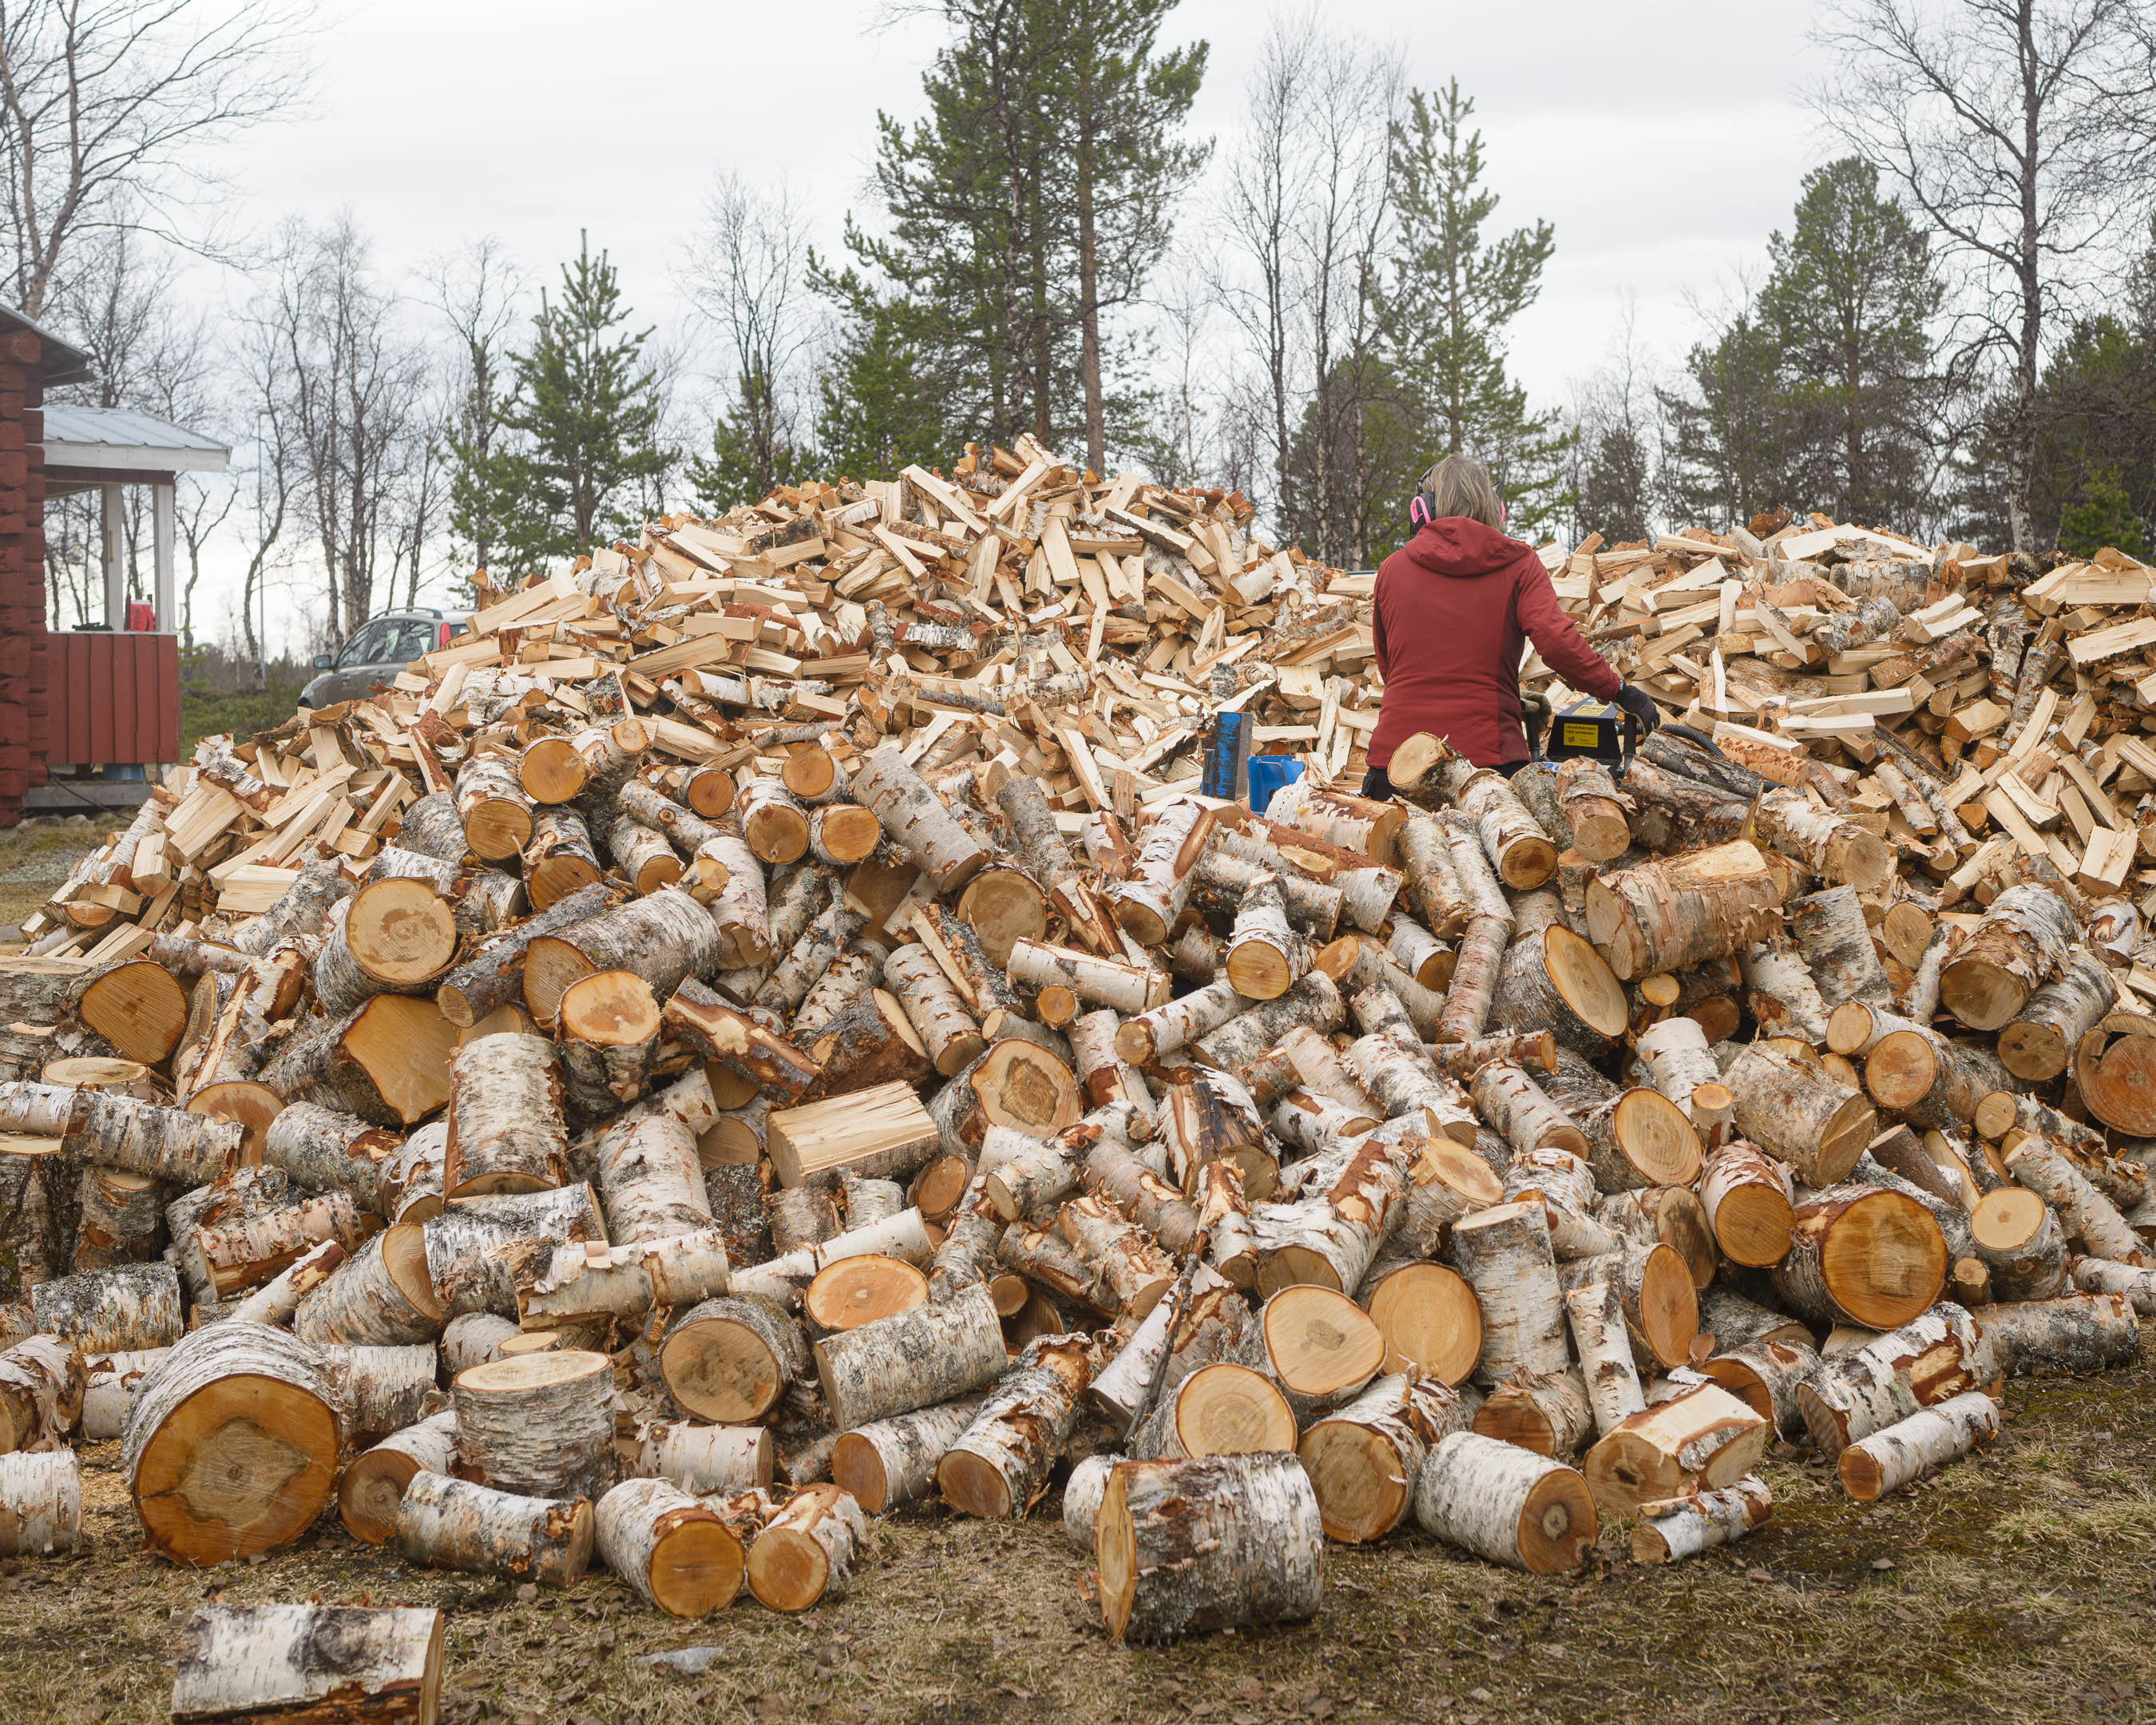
{"x": 161, "y": 511}
{"x": 113, "y": 522}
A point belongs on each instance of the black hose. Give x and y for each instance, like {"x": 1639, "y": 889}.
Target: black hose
{"x": 1691, "y": 734}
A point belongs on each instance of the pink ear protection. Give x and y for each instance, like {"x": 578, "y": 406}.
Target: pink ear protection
{"x": 1418, "y": 515}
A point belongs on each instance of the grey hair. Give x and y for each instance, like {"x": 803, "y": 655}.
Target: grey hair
{"x": 1460, "y": 484}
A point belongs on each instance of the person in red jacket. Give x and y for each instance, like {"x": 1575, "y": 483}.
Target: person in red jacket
{"x": 1454, "y": 605}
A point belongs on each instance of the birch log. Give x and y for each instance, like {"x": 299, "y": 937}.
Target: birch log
{"x": 1364, "y": 1461}
{"x": 1505, "y": 1504}
{"x": 999, "y": 1464}
{"x": 1922, "y": 1444}
{"x": 1799, "y": 1114}
{"x": 1675, "y": 1528}
{"x": 1932, "y": 1356}
{"x": 1552, "y": 980}
{"x": 371, "y": 1490}
{"x": 888, "y": 1463}
{"x": 506, "y": 1133}
{"x": 1218, "y": 1542}
{"x": 1671, "y": 915}
{"x": 454, "y": 1524}
{"x": 1702, "y": 1440}
{"x": 807, "y": 1553}
{"x": 2022, "y": 942}
{"x": 914, "y": 1359}
{"x": 673, "y": 1552}
{"x": 2042, "y": 1037}
{"x": 308, "y": 1662}
{"x": 40, "y": 1504}
{"x": 1504, "y": 1253}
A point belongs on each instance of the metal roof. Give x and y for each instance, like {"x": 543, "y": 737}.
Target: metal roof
{"x": 120, "y": 437}
{"x": 64, "y": 361}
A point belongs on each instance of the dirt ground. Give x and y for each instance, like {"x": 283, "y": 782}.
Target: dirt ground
{"x": 36, "y": 856}
{"x": 2021, "y": 1586}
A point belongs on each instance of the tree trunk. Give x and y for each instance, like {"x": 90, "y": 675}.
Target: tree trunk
{"x": 1433, "y": 885}
{"x": 1920, "y": 1445}
{"x": 662, "y": 938}
{"x": 454, "y": 1524}
{"x": 868, "y": 1043}
{"x": 1218, "y": 1542}
{"x": 1507, "y": 1505}
{"x": 2088, "y": 1217}
{"x": 133, "y": 1306}
{"x": 1784, "y": 998}
{"x": 1265, "y": 955}
{"x": 372, "y": 1489}
{"x": 1766, "y": 1376}
{"x": 1549, "y": 1416}
{"x": 232, "y": 1256}
{"x": 2022, "y": 942}
{"x": 42, "y": 1382}
{"x": 40, "y": 1504}
{"x": 1930, "y": 1082}
{"x": 1705, "y": 1438}
{"x": 326, "y": 1151}
{"x": 1832, "y": 848}
{"x": 1314, "y": 1003}
{"x": 231, "y": 1448}
{"x": 1673, "y": 914}
{"x": 1518, "y": 850}
{"x": 2076, "y": 1332}
{"x": 1515, "y": 1107}
{"x": 1800, "y": 1115}
{"x": 947, "y": 1030}
{"x": 382, "y": 1295}
{"x": 1678, "y": 1061}
{"x": 728, "y": 1360}
{"x": 1402, "y": 1083}
{"x": 123, "y": 1132}
{"x": 1552, "y": 979}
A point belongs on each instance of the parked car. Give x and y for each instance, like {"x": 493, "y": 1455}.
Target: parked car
{"x": 376, "y": 651}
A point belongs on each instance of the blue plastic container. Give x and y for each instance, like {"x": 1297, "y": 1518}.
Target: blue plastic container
{"x": 1268, "y": 773}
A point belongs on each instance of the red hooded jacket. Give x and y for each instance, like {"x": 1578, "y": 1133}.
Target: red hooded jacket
{"x": 1453, "y": 606}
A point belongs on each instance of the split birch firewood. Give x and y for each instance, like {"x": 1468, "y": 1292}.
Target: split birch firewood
{"x": 371, "y": 1490}
{"x": 231, "y": 1448}
{"x": 1929, "y": 1081}
{"x": 1554, "y": 980}
{"x": 1504, "y": 1253}
{"x": 40, "y": 1504}
{"x": 2042, "y": 1037}
{"x": 229, "y": 1258}
{"x": 1750, "y": 1201}
{"x": 1678, "y": 1061}
{"x": 461, "y": 1242}
{"x": 1864, "y": 1255}
{"x": 506, "y": 1133}
{"x": 1765, "y": 1376}
{"x": 2076, "y": 1333}
{"x": 1927, "y": 1360}
{"x": 1783, "y": 1000}
{"x": 2017, "y": 1237}
{"x": 539, "y": 1424}
{"x": 1800, "y": 1115}
{"x": 1364, "y": 1461}
{"x": 1506, "y": 1504}
{"x": 382, "y": 1295}
{"x": 269, "y": 1662}
{"x": 2022, "y": 943}
{"x": 128, "y": 1308}
{"x": 1704, "y": 1438}
{"x": 1672, "y": 914}
{"x": 888, "y": 1463}
{"x": 807, "y": 1553}
{"x": 1675, "y": 1528}
{"x": 673, "y": 1552}
{"x": 2088, "y": 1217}
{"x": 454, "y": 1524}
{"x": 42, "y": 1382}
{"x": 1548, "y": 1416}
{"x": 662, "y": 938}
{"x": 1217, "y": 1543}
{"x": 1920, "y": 1445}
{"x": 1596, "y": 1309}
{"x": 999, "y": 1464}
{"x": 728, "y": 1360}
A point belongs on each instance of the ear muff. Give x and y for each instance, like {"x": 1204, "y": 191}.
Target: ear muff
{"x": 1419, "y": 513}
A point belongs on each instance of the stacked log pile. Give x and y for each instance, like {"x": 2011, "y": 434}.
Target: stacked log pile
{"x": 764, "y": 1029}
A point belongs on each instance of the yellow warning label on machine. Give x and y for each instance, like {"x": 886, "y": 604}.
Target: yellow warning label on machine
{"x": 1582, "y": 737}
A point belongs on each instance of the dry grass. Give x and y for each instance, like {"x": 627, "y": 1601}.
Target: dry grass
{"x": 40, "y": 856}
{"x": 2018, "y": 1587}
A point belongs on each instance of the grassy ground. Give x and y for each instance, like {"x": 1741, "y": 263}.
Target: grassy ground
{"x": 2017, "y": 1587}
{"x": 205, "y": 712}
{"x": 36, "y": 856}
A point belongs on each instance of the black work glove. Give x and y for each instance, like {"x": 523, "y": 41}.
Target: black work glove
{"x": 1640, "y": 704}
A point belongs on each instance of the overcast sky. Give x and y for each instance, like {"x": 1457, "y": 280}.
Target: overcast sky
{"x": 1664, "y": 139}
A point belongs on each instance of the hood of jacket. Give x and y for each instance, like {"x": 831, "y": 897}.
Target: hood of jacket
{"x": 1462, "y": 546}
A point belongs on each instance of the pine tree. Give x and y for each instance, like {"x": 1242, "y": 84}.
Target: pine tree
{"x": 1847, "y": 309}
{"x": 587, "y": 412}
{"x": 1615, "y": 496}
{"x": 1453, "y": 296}
{"x": 740, "y": 467}
{"x": 2103, "y": 516}
{"x": 1728, "y": 438}
{"x": 879, "y": 407}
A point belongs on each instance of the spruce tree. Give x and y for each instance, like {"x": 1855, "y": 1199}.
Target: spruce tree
{"x": 2102, "y": 515}
{"x": 1453, "y": 294}
{"x": 1728, "y": 454}
{"x": 879, "y": 407}
{"x": 586, "y": 410}
{"x": 742, "y": 466}
{"x": 1614, "y": 491}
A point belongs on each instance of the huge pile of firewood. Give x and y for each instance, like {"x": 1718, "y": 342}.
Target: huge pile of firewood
{"x": 764, "y": 1029}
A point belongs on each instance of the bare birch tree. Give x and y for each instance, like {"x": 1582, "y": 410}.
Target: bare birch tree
{"x": 2019, "y": 129}
{"x": 110, "y": 109}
